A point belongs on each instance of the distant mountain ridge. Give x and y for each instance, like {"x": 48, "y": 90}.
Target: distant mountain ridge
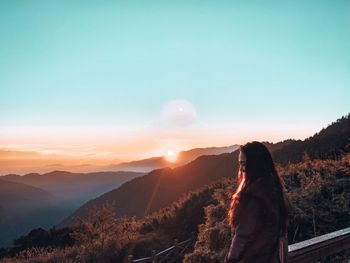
{"x": 67, "y": 186}
{"x": 43, "y": 200}
{"x": 183, "y": 157}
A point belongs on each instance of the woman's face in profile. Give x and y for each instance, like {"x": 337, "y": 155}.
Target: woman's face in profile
{"x": 242, "y": 160}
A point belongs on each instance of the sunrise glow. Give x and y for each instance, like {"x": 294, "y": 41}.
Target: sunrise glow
{"x": 171, "y": 156}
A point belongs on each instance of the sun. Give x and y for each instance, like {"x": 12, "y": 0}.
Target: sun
{"x": 171, "y": 155}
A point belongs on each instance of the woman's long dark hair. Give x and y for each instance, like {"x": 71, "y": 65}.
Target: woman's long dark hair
{"x": 259, "y": 164}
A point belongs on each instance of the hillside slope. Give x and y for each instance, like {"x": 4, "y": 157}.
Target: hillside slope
{"x": 160, "y": 187}
{"x": 331, "y": 142}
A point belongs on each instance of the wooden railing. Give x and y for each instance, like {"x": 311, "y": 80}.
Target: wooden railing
{"x": 169, "y": 255}
{"x": 307, "y": 251}
{"x": 320, "y": 247}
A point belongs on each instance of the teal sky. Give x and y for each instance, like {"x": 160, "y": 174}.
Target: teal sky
{"x": 102, "y": 63}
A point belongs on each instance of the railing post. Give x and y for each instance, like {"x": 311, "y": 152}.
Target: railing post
{"x": 130, "y": 259}
{"x": 176, "y": 249}
{"x": 154, "y": 256}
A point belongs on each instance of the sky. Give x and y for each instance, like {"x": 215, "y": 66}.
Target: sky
{"x": 109, "y": 81}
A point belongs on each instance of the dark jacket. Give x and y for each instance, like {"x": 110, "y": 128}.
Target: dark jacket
{"x": 257, "y": 233}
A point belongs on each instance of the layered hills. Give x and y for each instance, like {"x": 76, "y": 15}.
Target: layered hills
{"x": 43, "y": 200}
{"x": 160, "y": 187}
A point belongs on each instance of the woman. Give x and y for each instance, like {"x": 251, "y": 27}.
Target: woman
{"x": 258, "y": 211}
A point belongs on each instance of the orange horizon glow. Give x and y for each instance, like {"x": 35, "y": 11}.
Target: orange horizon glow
{"x": 38, "y": 149}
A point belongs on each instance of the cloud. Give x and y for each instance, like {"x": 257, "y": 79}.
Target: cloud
{"x": 179, "y": 112}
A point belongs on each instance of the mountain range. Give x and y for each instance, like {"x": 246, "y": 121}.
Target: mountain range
{"x": 159, "y": 188}
{"x": 74, "y": 187}
{"x": 68, "y": 191}
{"x": 139, "y": 194}
{"x": 183, "y": 157}
{"x": 43, "y": 200}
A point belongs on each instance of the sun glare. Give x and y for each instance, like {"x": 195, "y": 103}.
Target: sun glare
{"x": 171, "y": 155}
